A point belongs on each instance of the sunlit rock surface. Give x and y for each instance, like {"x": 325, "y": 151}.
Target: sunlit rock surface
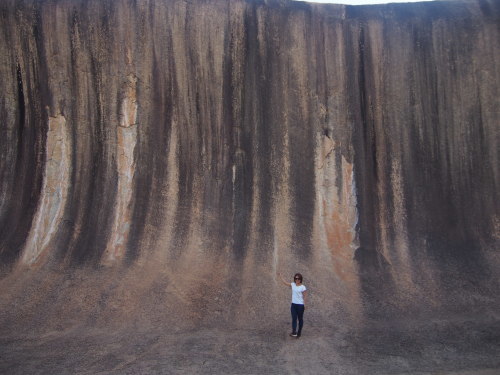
{"x": 162, "y": 160}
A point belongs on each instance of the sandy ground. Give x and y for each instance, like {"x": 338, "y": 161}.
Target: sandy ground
{"x": 461, "y": 347}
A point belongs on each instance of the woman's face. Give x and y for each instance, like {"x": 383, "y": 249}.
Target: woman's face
{"x": 297, "y": 280}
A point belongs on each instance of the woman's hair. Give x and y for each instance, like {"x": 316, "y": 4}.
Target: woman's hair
{"x": 297, "y": 275}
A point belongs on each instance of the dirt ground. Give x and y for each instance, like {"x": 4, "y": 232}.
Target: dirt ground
{"x": 460, "y": 346}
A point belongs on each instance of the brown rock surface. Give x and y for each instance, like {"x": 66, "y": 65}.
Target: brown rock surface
{"x": 161, "y": 160}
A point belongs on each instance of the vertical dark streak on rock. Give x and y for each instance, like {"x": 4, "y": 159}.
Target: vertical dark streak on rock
{"x": 188, "y": 156}
{"x": 265, "y": 124}
{"x": 8, "y": 255}
{"x": 152, "y": 167}
{"x": 484, "y": 202}
{"x": 319, "y": 37}
{"x": 5, "y": 151}
{"x": 31, "y": 132}
{"x": 5, "y": 106}
{"x": 241, "y": 149}
{"x": 223, "y": 153}
{"x": 302, "y": 155}
{"x": 339, "y": 175}
{"x": 22, "y": 110}
{"x": 80, "y": 154}
{"x": 90, "y": 244}
{"x": 374, "y": 273}
{"x": 21, "y": 106}
{"x": 85, "y": 249}
{"x": 218, "y": 190}
{"x": 365, "y": 156}
{"x": 422, "y": 79}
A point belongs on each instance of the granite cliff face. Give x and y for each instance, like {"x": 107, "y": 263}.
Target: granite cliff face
{"x": 167, "y": 158}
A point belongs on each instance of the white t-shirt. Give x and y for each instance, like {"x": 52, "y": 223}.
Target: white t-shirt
{"x": 297, "y": 296}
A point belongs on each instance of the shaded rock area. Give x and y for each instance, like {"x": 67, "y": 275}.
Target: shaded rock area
{"x": 162, "y": 160}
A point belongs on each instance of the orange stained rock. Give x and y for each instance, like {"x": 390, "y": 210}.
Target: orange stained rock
{"x": 339, "y": 222}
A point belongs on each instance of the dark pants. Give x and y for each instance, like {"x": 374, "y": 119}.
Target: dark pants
{"x": 297, "y": 313}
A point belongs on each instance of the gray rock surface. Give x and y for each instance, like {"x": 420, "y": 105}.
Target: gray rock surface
{"x": 162, "y": 160}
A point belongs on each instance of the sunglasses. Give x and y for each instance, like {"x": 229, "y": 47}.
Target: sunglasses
{"x": 296, "y": 278}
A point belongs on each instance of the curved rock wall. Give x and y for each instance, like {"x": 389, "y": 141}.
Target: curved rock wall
{"x": 198, "y": 147}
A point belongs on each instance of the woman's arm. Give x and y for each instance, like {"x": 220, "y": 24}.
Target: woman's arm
{"x": 304, "y": 295}
{"x": 283, "y": 280}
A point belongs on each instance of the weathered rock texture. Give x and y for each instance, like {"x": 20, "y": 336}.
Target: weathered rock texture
{"x": 161, "y": 160}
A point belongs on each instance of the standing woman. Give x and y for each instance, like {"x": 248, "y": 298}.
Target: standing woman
{"x": 298, "y": 302}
